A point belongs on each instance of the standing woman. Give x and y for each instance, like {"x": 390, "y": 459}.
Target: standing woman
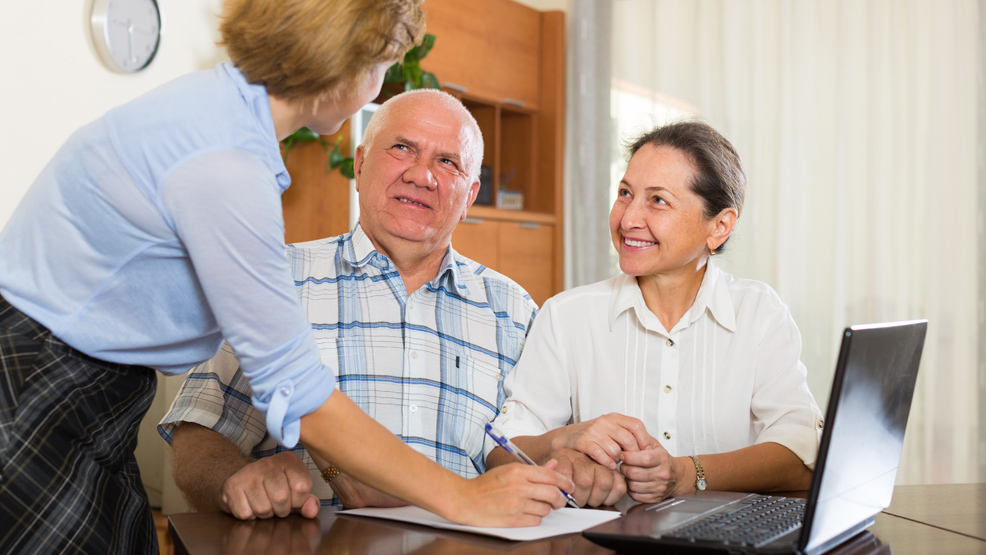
{"x": 154, "y": 235}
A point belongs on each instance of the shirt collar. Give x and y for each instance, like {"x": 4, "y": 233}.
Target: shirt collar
{"x": 361, "y": 252}
{"x": 713, "y": 296}
{"x": 258, "y": 103}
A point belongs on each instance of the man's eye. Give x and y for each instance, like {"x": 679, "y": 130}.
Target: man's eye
{"x": 401, "y": 147}
{"x": 449, "y": 162}
{"x": 623, "y": 193}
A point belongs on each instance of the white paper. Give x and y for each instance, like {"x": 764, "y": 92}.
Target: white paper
{"x": 562, "y": 521}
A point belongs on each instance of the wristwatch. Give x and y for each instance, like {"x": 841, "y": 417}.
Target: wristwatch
{"x": 700, "y": 483}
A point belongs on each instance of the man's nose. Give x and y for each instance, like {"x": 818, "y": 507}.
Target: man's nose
{"x": 421, "y": 175}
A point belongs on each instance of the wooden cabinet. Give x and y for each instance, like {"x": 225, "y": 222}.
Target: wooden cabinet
{"x": 522, "y": 250}
{"x": 506, "y": 62}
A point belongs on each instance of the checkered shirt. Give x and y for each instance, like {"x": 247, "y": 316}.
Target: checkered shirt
{"x": 428, "y": 366}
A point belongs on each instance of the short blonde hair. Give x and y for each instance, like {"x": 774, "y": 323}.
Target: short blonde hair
{"x": 313, "y": 49}
{"x": 473, "y": 151}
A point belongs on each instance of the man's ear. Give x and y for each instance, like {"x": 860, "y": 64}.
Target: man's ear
{"x": 358, "y": 165}
{"x": 473, "y": 191}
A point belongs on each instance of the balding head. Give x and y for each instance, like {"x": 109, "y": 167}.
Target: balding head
{"x": 470, "y": 136}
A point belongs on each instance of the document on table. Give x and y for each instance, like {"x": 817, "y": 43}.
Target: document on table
{"x": 559, "y": 522}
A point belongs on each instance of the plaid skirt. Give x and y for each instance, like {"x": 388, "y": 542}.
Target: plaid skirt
{"x": 69, "y": 482}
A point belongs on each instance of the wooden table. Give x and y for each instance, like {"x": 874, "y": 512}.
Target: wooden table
{"x": 921, "y": 520}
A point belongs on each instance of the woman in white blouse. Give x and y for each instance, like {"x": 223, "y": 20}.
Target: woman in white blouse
{"x": 673, "y": 376}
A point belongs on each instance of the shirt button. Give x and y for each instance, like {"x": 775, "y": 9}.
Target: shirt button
{"x": 413, "y": 408}
{"x": 283, "y": 179}
{"x": 410, "y": 306}
{"x": 667, "y": 435}
{"x": 286, "y": 391}
{"x": 670, "y": 343}
{"x": 667, "y": 389}
{"x": 414, "y": 355}
{"x": 821, "y": 424}
{"x": 504, "y": 409}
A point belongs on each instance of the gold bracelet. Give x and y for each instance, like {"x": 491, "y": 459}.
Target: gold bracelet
{"x": 329, "y": 473}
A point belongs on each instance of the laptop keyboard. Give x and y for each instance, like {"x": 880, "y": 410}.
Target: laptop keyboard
{"x": 753, "y": 521}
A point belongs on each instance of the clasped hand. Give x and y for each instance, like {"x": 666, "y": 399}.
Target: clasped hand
{"x": 622, "y": 445}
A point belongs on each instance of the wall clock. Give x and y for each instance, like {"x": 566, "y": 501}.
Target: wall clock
{"x": 126, "y": 33}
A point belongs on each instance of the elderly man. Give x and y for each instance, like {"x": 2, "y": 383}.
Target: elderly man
{"x": 422, "y": 336}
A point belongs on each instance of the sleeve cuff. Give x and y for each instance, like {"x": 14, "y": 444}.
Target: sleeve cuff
{"x": 288, "y": 402}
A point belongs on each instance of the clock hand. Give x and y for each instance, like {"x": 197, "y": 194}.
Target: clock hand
{"x": 130, "y": 41}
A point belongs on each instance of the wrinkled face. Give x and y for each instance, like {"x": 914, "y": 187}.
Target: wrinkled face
{"x": 412, "y": 179}
{"x": 333, "y": 112}
{"x": 658, "y": 224}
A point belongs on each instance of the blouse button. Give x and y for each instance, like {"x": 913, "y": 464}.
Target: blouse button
{"x": 821, "y": 424}
{"x": 670, "y": 343}
{"x": 667, "y": 435}
{"x": 504, "y": 409}
{"x": 414, "y": 355}
{"x": 413, "y": 408}
{"x": 667, "y": 389}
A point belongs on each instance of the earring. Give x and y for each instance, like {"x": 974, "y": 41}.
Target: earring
{"x": 712, "y": 252}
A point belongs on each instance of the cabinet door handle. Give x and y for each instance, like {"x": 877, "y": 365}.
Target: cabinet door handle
{"x": 514, "y": 102}
{"x": 469, "y": 220}
{"x": 530, "y": 225}
{"x": 454, "y": 87}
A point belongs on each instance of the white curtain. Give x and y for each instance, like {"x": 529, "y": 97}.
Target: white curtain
{"x": 857, "y": 122}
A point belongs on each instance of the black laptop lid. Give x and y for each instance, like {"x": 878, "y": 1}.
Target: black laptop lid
{"x": 866, "y": 418}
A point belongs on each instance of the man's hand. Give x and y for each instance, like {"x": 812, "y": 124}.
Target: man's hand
{"x": 653, "y": 474}
{"x": 355, "y": 494}
{"x": 595, "y": 485}
{"x": 272, "y": 486}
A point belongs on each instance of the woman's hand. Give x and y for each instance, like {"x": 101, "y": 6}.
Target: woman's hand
{"x": 510, "y": 495}
{"x": 653, "y": 474}
{"x": 605, "y": 438}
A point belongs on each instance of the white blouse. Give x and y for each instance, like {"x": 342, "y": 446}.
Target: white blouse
{"x": 727, "y": 376}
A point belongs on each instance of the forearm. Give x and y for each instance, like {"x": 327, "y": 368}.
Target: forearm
{"x": 341, "y": 433}
{"x": 202, "y": 461}
{"x": 763, "y": 467}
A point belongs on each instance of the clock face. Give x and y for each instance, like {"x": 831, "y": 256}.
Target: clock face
{"x": 126, "y": 33}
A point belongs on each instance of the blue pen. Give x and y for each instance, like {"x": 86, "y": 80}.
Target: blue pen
{"x": 509, "y": 447}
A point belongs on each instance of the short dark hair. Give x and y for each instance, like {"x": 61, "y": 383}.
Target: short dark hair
{"x": 721, "y": 181}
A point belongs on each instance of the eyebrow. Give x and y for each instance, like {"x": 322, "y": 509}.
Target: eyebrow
{"x": 444, "y": 154}
{"x": 651, "y": 189}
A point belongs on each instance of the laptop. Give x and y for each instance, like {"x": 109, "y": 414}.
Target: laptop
{"x": 854, "y": 473}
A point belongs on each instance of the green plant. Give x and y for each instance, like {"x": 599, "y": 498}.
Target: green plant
{"x": 337, "y": 160}
{"x": 404, "y": 75}
{"x": 409, "y": 73}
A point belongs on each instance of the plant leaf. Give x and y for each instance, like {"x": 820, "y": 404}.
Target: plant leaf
{"x": 346, "y": 168}
{"x": 427, "y": 43}
{"x": 429, "y": 81}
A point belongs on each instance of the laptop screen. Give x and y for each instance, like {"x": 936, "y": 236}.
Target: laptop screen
{"x": 867, "y": 415}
